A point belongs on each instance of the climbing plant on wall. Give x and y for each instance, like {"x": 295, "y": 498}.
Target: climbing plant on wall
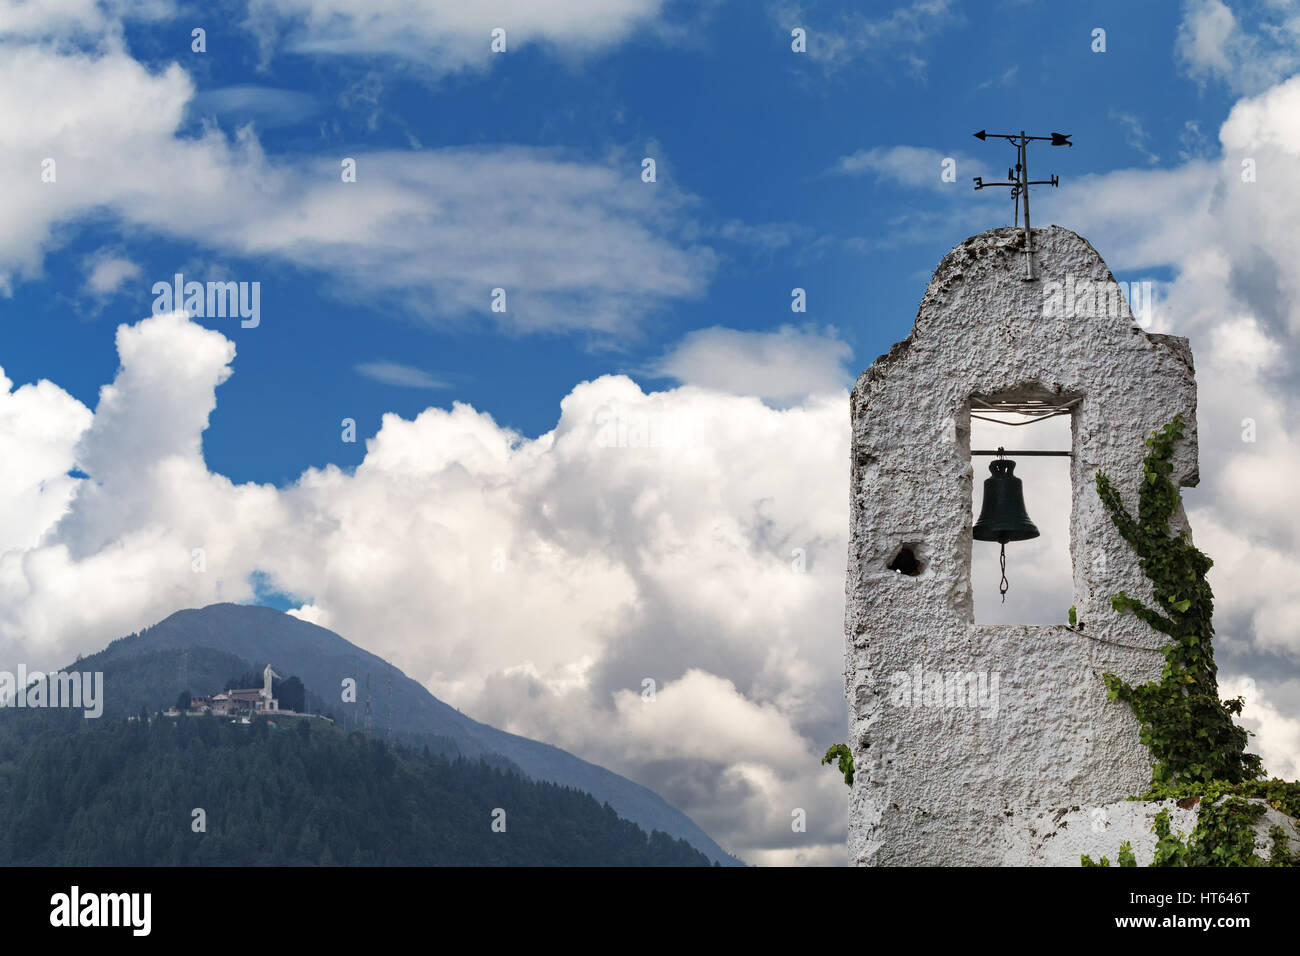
{"x": 1189, "y": 730}
{"x": 1199, "y": 752}
{"x": 845, "y": 760}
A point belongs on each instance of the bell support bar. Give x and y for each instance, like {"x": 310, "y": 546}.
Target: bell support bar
{"x": 1003, "y": 453}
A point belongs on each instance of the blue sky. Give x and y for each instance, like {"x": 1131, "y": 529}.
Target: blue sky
{"x": 747, "y": 131}
{"x": 493, "y": 531}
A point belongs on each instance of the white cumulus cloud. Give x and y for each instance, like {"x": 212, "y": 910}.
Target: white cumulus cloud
{"x": 785, "y": 365}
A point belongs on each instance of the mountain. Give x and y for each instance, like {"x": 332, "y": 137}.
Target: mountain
{"x": 204, "y": 791}
{"x": 202, "y": 644}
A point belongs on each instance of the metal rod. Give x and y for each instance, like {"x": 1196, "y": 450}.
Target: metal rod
{"x": 1024, "y": 179}
{"x": 1009, "y": 454}
{"x": 1035, "y": 416}
{"x": 1031, "y": 404}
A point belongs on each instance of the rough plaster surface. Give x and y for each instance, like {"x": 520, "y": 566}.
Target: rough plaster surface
{"x": 935, "y": 777}
{"x": 1060, "y": 836}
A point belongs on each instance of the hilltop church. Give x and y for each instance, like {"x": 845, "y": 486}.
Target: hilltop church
{"x": 246, "y": 700}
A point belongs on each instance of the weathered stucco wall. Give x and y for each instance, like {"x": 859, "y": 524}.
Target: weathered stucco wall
{"x": 937, "y": 776}
{"x": 1060, "y": 836}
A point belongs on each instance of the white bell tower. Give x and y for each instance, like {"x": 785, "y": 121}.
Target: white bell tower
{"x": 958, "y": 730}
{"x": 269, "y": 702}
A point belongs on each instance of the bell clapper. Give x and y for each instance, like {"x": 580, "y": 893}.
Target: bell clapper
{"x": 1002, "y": 559}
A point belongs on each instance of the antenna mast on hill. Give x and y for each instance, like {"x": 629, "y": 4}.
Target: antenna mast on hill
{"x": 367, "y": 730}
{"x": 389, "y": 735}
{"x": 1019, "y": 181}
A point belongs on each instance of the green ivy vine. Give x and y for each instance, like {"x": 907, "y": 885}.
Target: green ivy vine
{"x": 845, "y": 756}
{"x": 1189, "y": 730}
{"x": 1199, "y": 752}
{"x": 1124, "y": 858}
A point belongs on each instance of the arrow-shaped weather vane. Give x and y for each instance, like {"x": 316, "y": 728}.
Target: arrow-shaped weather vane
{"x": 1019, "y": 181}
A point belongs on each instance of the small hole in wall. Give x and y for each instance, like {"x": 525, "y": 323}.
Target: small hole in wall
{"x": 906, "y": 562}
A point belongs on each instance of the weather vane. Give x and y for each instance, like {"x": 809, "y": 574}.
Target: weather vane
{"x": 1020, "y": 182}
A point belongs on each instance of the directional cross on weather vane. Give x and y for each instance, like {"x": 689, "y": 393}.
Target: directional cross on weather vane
{"x": 1019, "y": 181}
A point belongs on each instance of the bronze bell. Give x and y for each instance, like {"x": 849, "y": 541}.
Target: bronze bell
{"x": 1003, "y": 517}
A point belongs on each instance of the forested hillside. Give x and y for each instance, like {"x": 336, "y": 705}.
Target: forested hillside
{"x": 123, "y": 792}
{"x": 203, "y": 648}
